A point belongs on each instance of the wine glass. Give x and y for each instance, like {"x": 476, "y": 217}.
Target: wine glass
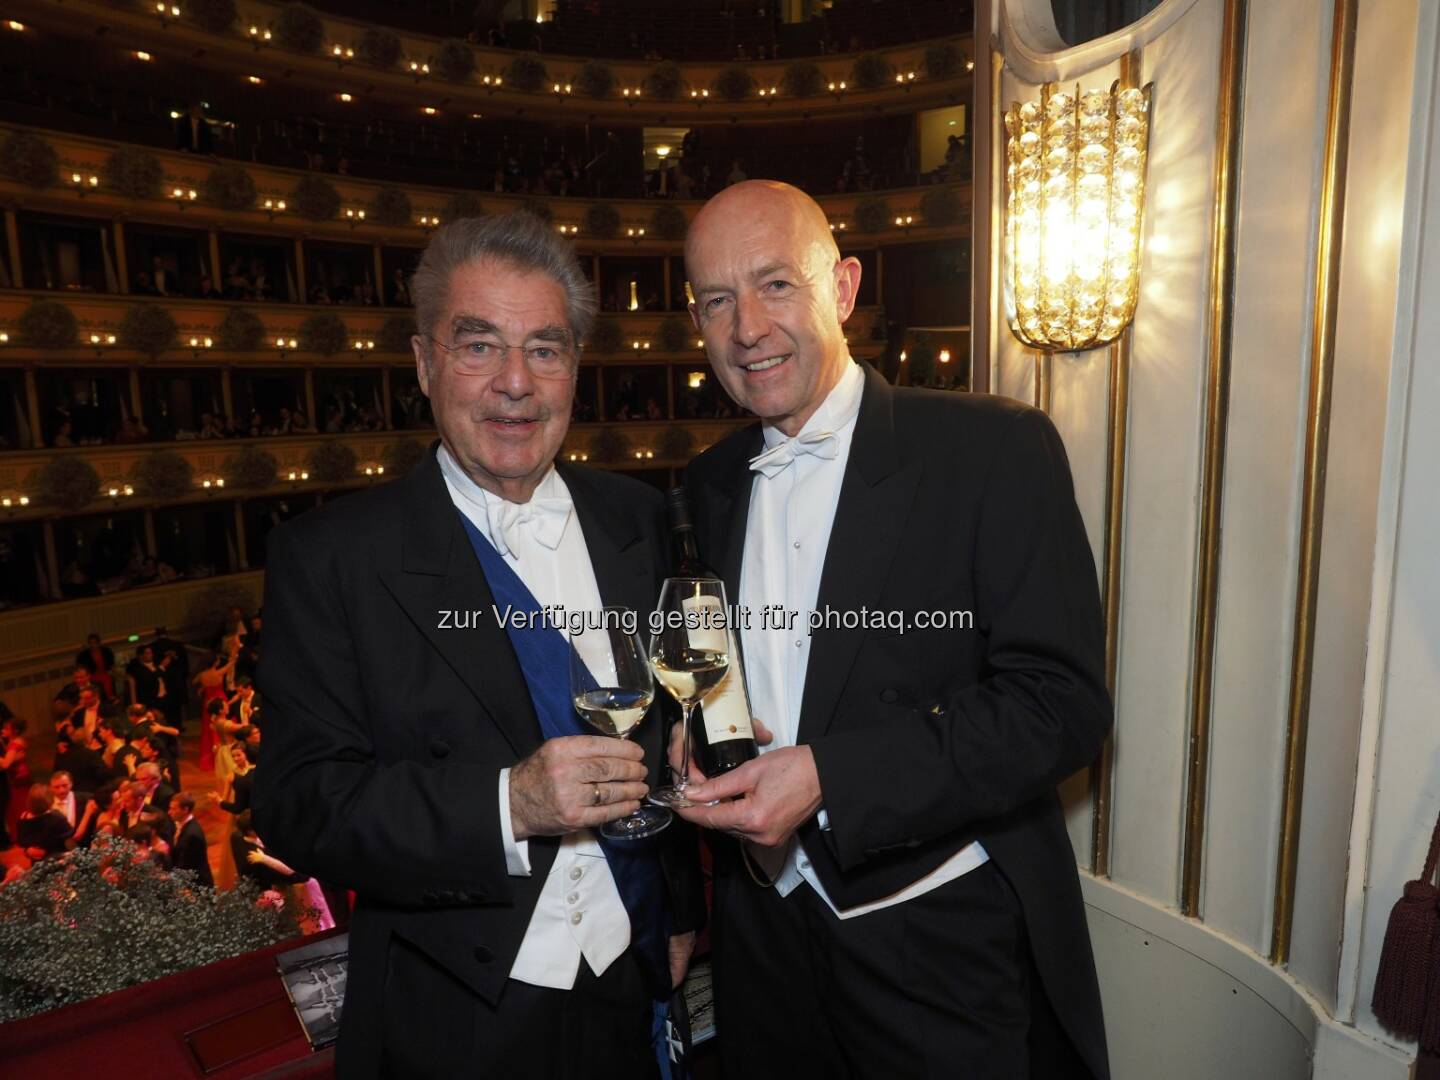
{"x": 689, "y": 653}
{"x": 611, "y": 687}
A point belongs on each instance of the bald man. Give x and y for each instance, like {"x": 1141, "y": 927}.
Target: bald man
{"x": 903, "y": 900}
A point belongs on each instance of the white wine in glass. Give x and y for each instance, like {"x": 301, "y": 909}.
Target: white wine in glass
{"x": 689, "y": 656}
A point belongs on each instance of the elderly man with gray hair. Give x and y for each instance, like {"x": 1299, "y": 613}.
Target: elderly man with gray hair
{"x": 422, "y": 750}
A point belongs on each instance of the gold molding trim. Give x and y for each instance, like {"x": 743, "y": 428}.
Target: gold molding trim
{"x": 1217, "y": 415}
{"x": 997, "y": 187}
{"x": 1328, "y": 240}
{"x": 1117, "y": 438}
{"x": 1102, "y": 773}
{"x": 1044, "y": 380}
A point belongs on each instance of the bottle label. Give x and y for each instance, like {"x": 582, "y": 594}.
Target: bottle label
{"x": 726, "y": 710}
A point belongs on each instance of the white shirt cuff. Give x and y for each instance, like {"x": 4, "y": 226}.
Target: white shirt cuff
{"x": 823, "y": 820}
{"x": 517, "y": 852}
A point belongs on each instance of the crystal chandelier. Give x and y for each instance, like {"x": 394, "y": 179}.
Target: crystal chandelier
{"x": 1075, "y": 195}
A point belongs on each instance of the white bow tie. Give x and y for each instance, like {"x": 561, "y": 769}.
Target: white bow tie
{"x": 544, "y": 519}
{"x": 822, "y": 444}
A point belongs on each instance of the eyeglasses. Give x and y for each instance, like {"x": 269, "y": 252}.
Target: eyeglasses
{"x": 486, "y": 356}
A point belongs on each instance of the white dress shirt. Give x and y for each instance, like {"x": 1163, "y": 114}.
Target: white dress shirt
{"x": 579, "y": 912}
{"x": 792, "y": 511}
{"x": 67, "y": 807}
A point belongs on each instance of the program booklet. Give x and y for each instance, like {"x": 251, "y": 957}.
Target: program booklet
{"x": 314, "y": 977}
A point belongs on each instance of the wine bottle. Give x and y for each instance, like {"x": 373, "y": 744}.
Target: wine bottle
{"x": 723, "y": 735}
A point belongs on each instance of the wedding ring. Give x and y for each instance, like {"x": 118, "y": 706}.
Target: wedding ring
{"x": 599, "y": 798}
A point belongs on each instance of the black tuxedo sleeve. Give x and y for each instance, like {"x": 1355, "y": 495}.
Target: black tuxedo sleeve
{"x": 396, "y": 831}
{"x": 1040, "y": 710}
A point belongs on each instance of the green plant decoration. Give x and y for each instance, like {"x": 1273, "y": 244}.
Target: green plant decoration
{"x": 315, "y": 198}
{"x": 734, "y": 83}
{"x": 148, "y": 328}
{"x": 394, "y": 334}
{"x": 299, "y": 28}
{"x": 134, "y": 173}
{"x": 163, "y": 475}
{"x": 527, "y": 73}
{"x": 676, "y": 443}
{"x": 604, "y": 336}
{"x": 540, "y": 208}
{"x": 47, "y": 324}
{"x": 215, "y": 16}
{"x": 230, "y": 187}
{"x": 379, "y": 48}
{"x": 401, "y": 456}
{"x": 69, "y": 483}
{"x": 454, "y": 60}
{"x": 675, "y": 334}
{"x": 601, "y": 220}
{"x": 98, "y": 920}
{"x": 609, "y": 446}
{"x": 241, "y": 331}
{"x": 390, "y": 206}
{"x": 871, "y": 215}
{"x": 669, "y": 222}
{"x": 462, "y": 204}
{"x": 941, "y": 206}
{"x": 28, "y": 159}
{"x": 666, "y": 82}
{"x": 594, "y": 80}
{"x": 871, "y": 71}
{"x": 802, "y": 79}
{"x": 323, "y": 333}
{"x": 331, "y": 462}
{"x": 250, "y": 468}
{"x": 942, "y": 59}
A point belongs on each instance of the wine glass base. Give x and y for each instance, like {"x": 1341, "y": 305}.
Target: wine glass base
{"x": 673, "y": 798}
{"x": 647, "y": 821}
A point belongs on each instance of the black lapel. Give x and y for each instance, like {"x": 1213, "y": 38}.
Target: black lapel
{"x": 436, "y": 570}
{"x": 623, "y": 563}
{"x": 726, "y": 503}
{"x": 875, "y": 498}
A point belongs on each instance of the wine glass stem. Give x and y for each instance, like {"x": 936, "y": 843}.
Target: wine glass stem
{"x": 683, "y": 780}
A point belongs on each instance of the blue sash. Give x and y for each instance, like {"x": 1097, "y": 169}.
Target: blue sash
{"x": 544, "y": 655}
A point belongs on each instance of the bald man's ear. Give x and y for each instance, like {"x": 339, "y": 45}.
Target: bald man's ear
{"x": 422, "y": 348}
{"x": 694, "y": 316}
{"x": 847, "y": 286}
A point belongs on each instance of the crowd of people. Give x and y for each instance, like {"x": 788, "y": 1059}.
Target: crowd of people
{"x": 121, "y": 768}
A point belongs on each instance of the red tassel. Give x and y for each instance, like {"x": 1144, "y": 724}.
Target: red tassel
{"x": 1409, "y": 956}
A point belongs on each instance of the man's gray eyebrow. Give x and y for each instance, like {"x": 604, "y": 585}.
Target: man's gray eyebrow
{"x": 471, "y": 324}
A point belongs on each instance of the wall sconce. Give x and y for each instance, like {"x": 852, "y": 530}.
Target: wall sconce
{"x": 354, "y": 215}
{"x": 638, "y": 345}
{"x": 364, "y": 345}
{"x": 373, "y": 471}
{"x": 11, "y": 24}
{"x": 257, "y": 35}
{"x": 429, "y": 221}
{"x": 837, "y": 88}
{"x": 198, "y": 343}
{"x": 84, "y": 184}
{"x": 183, "y": 196}
{"x": 699, "y": 343}
{"x": 341, "y": 54}
{"x": 13, "y": 503}
{"x": 419, "y": 69}
{"x": 631, "y": 94}
{"x": 699, "y": 94}
{"x": 100, "y": 341}
{"x": 561, "y": 89}
{"x": 142, "y": 56}
{"x": 173, "y": 10}
{"x": 285, "y": 345}
{"x": 636, "y": 234}
{"x": 430, "y": 110}
{"x": 837, "y": 226}
{"x": 254, "y": 80}
{"x": 273, "y": 207}
{"x": 4, "y": 338}
{"x": 969, "y": 65}
{"x": 492, "y": 82}
{"x": 944, "y": 356}
{"x": 213, "y": 484}
{"x": 695, "y": 380}
{"x": 579, "y": 457}
{"x": 904, "y": 356}
{"x": 117, "y": 492}
{"x": 569, "y": 230}
{"x": 345, "y": 97}
{"x": 1075, "y": 196}
{"x": 297, "y": 475}
{"x": 904, "y": 221}
{"x": 644, "y": 455}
